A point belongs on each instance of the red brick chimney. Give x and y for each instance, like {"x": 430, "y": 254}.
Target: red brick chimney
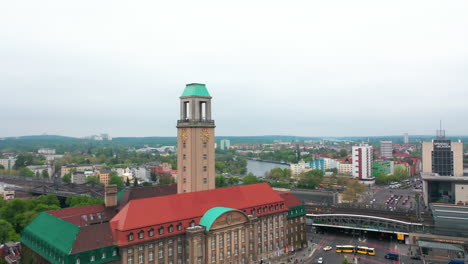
{"x": 110, "y": 195}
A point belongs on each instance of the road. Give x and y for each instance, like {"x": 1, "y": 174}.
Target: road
{"x": 337, "y": 238}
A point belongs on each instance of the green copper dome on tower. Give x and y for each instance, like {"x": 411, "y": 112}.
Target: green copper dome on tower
{"x": 195, "y": 89}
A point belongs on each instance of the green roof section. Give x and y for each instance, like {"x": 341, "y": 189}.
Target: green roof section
{"x": 211, "y": 215}
{"x": 62, "y": 236}
{"x": 195, "y": 89}
{"x": 119, "y": 194}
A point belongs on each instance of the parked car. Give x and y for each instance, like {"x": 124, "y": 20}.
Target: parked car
{"x": 320, "y": 260}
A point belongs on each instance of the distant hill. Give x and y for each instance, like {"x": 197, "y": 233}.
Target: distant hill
{"x": 67, "y": 144}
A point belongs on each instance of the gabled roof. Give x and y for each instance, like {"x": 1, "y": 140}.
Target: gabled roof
{"x": 195, "y": 89}
{"x": 92, "y": 237}
{"x": 144, "y": 192}
{"x": 75, "y": 215}
{"x": 211, "y": 215}
{"x": 289, "y": 199}
{"x": 165, "y": 209}
{"x": 52, "y": 230}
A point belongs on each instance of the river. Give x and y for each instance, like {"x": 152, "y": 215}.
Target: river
{"x": 258, "y": 168}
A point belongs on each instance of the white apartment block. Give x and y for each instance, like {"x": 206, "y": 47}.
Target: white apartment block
{"x": 8, "y": 163}
{"x": 386, "y": 149}
{"x": 362, "y": 162}
{"x": 298, "y": 168}
{"x": 331, "y": 163}
{"x": 345, "y": 168}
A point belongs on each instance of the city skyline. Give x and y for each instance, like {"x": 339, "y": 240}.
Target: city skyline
{"x": 310, "y": 69}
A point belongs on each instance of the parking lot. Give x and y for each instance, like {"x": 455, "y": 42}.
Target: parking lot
{"x": 382, "y": 247}
{"x": 391, "y": 199}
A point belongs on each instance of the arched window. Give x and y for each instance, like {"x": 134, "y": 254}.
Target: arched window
{"x": 192, "y": 224}
{"x": 161, "y": 230}
{"x": 170, "y": 229}
{"x": 253, "y": 212}
{"x": 265, "y": 209}
{"x": 282, "y": 206}
{"x": 114, "y": 252}
{"x": 141, "y": 234}
{"x": 151, "y": 232}
{"x": 78, "y": 261}
{"x": 130, "y": 237}
{"x": 276, "y": 207}
{"x": 179, "y": 227}
{"x": 259, "y": 210}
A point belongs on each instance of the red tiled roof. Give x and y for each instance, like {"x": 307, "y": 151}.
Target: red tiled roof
{"x": 146, "y": 192}
{"x": 171, "y": 208}
{"x": 92, "y": 237}
{"x": 289, "y": 199}
{"x": 74, "y": 215}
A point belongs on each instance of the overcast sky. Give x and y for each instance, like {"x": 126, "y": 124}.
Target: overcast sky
{"x": 305, "y": 68}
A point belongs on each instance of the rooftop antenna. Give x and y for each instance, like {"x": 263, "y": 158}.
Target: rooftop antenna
{"x": 440, "y": 132}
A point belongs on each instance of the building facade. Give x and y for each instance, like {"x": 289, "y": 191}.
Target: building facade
{"x": 362, "y": 163}
{"x": 225, "y": 144}
{"x": 386, "y": 149}
{"x": 444, "y": 157}
{"x": 8, "y": 163}
{"x": 317, "y": 164}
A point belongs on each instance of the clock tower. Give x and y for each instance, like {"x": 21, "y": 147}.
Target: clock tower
{"x": 195, "y": 141}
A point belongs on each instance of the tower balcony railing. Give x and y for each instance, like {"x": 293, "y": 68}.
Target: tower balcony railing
{"x": 196, "y": 121}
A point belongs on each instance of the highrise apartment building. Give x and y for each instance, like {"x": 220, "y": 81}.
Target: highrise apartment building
{"x": 225, "y": 144}
{"x": 386, "y": 149}
{"x": 406, "y": 138}
{"x": 362, "y": 163}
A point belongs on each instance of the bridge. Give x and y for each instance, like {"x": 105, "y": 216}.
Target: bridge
{"x": 54, "y": 186}
{"x": 369, "y": 219}
{"x": 365, "y": 223}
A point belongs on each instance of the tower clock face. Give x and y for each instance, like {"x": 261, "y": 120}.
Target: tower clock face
{"x": 183, "y": 135}
{"x": 205, "y": 135}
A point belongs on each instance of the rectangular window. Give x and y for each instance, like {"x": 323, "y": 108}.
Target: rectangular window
{"x": 140, "y": 258}
{"x": 184, "y": 169}
{"x": 205, "y": 180}
{"x": 204, "y": 168}
{"x": 221, "y": 241}
{"x": 205, "y": 156}
{"x": 184, "y": 156}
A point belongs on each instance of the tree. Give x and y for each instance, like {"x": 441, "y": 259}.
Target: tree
{"x": 345, "y": 260}
{"x": 2, "y": 167}
{"x": 117, "y": 180}
{"x": 220, "y": 181}
{"x": 25, "y": 172}
{"x": 343, "y": 153}
{"x": 7, "y": 233}
{"x": 45, "y": 174}
{"x": 67, "y": 178}
{"x": 23, "y": 160}
{"x": 146, "y": 184}
{"x": 92, "y": 179}
{"x": 135, "y": 182}
{"x": 38, "y": 174}
{"x": 310, "y": 179}
{"x": 250, "y": 179}
{"x": 233, "y": 180}
{"x": 127, "y": 183}
{"x": 401, "y": 172}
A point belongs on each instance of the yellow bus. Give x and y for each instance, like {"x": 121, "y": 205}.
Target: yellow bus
{"x": 365, "y": 250}
{"x": 345, "y": 249}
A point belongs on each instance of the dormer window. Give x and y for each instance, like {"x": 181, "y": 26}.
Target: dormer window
{"x": 161, "y": 230}
{"x": 141, "y": 235}
{"x": 192, "y": 224}
{"x": 179, "y": 227}
{"x": 171, "y": 229}
{"x": 130, "y": 237}
{"x": 151, "y": 232}
{"x": 276, "y": 207}
{"x": 259, "y": 211}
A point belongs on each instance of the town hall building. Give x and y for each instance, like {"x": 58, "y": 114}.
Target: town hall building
{"x": 192, "y": 223}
